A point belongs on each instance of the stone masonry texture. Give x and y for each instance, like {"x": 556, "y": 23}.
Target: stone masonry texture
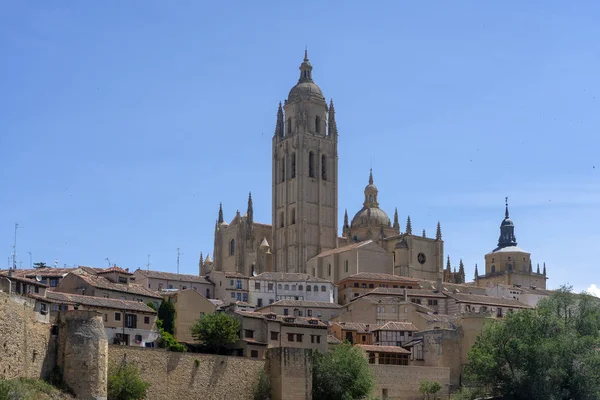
{"x": 178, "y": 375}
{"x": 27, "y": 349}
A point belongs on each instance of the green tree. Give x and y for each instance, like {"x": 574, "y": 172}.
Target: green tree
{"x": 216, "y": 331}
{"x": 151, "y": 305}
{"x": 262, "y": 388}
{"x": 429, "y": 387}
{"x": 342, "y": 374}
{"x": 166, "y": 313}
{"x": 550, "y": 352}
{"x": 125, "y": 383}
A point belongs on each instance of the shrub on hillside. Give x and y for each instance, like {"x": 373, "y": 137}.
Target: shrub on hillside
{"x": 125, "y": 383}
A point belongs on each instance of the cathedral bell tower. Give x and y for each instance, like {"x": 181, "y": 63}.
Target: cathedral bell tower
{"x": 305, "y": 176}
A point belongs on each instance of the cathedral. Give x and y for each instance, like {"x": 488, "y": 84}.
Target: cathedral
{"x": 303, "y": 236}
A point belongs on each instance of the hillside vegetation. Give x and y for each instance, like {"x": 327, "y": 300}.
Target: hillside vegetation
{"x": 30, "y": 389}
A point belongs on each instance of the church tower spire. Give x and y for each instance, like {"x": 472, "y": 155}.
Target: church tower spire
{"x": 461, "y": 272}
{"x": 507, "y": 230}
{"x": 250, "y": 211}
{"x": 331, "y": 124}
{"x": 438, "y": 232}
{"x": 476, "y": 273}
{"x": 220, "y": 219}
{"x": 408, "y": 226}
{"x": 346, "y": 227}
{"x": 200, "y": 264}
{"x": 396, "y": 225}
{"x": 279, "y": 126}
{"x": 371, "y": 193}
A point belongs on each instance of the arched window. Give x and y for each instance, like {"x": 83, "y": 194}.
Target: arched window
{"x": 286, "y": 287}
{"x": 289, "y": 126}
{"x": 282, "y": 169}
{"x": 294, "y": 287}
{"x": 279, "y": 286}
{"x": 300, "y": 287}
{"x": 293, "y": 165}
{"x": 324, "y": 167}
{"x": 317, "y": 124}
{"x": 281, "y": 220}
{"x": 323, "y": 288}
{"x": 315, "y": 288}
{"x": 493, "y": 269}
{"x": 370, "y": 197}
{"x": 510, "y": 267}
{"x": 308, "y": 288}
{"x": 232, "y": 247}
{"x": 311, "y": 164}
{"x": 293, "y": 219}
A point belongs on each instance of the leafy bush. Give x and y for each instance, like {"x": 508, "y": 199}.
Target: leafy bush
{"x": 167, "y": 341}
{"x": 427, "y": 387}
{"x": 216, "y": 331}
{"x": 262, "y": 388}
{"x": 342, "y": 374}
{"x": 125, "y": 383}
{"x": 25, "y": 389}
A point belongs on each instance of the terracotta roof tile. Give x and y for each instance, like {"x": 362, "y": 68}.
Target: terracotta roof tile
{"x": 114, "y": 268}
{"x": 169, "y": 276}
{"x": 100, "y": 302}
{"x": 486, "y": 300}
{"x": 383, "y": 349}
{"x": 357, "y": 326}
{"x": 398, "y": 326}
{"x": 303, "y": 303}
{"x": 103, "y": 283}
{"x": 343, "y": 249}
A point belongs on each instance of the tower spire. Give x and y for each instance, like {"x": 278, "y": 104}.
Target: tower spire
{"x": 506, "y": 211}
{"x": 220, "y": 220}
{"x": 200, "y": 264}
{"x": 331, "y": 124}
{"x": 476, "y": 273}
{"x": 507, "y": 230}
{"x": 250, "y": 211}
{"x": 438, "y": 232}
{"x": 279, "y": 126}
{"x": 461, "y": 271}
{"x": 408, "y": 226}
{"x": 370, "y": 176}
{"x": 538, "y": 269}
{"x": 305, "y": 69}
{"x": 396, "y": 223}
{"x": 448, "y": 266}
{"x": 424, "y": 233}
{"x": 544, "y": 269}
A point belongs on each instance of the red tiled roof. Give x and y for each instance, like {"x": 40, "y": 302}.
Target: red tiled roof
{"x": 383, "y": 349}
{"x": 22, "y": 279}
{"x": 375, "y": 276}
{"x": 486, "y": 300}
{"x": 357, "y": 326}
{"x": 398, "y": 326}
{"x": 114, "y": 268}
{"x": 343, "y": 249}
{"x": 99, "y": 302}
{"x": 102, "y": 283}
{"x": 169, "y": 276}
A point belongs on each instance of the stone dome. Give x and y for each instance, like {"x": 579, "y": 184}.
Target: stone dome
{"x": 305, "y": 90}
{"x": 370, "y": 216}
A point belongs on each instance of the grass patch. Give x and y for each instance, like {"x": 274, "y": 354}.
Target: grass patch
{"x": 30, "y": 389}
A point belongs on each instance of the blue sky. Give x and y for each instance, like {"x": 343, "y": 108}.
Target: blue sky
{"x": 124, "y": 124}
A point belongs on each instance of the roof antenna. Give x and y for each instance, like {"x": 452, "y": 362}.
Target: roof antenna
{"x": 148, "y": 264}
{"x": 179, "y": 253}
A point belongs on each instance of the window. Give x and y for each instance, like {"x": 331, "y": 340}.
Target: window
{"x": 282, "y": 169}
{"x": 281, "y": 221}
{"x": 286, "y": 311}
{"x": 274, "y": 335}
{"x": 245, "y": 297}
{"x": 254, "y": 353}
{"x": 315, "y": 339}
{"x": 131, "y": 321}
{"x": 499, "y": 312}
{"x": 232, "y": 247}
{"x": 346, "y": 265}
{"x": 493, "y": 269}
{"x": 323, "y": 288}
{"x": 393, "y": 309}
{"x": 293, "y": 165}
{"x": 289, "y": 126}
{"x": 286, "y": 287}
{"x": 364, "y": 285}
{"x": 55, "y": 307}
{"x": 238, "y": 284}
{"x": 259, "y": 303}
{"x": 371, "y": 358}
{"x": 231, "y": 283}
{"x": 201, "y": 314}
{"x": 294, "y": 288}
{"x": 309, "y": 313}
{"x": 299, "y": 337}
{"x": 308, "y": 288}
{"x": 105, "y": 317}
{"x": 290, "y": 337}
{"x": 117, "y": 316}
{"x": 256, "y": 285}
{"x": 323, "y": 167}
{"x": 122, "y": 280}
{"x": 53, "y": 282}
{"x": 248, "y": 333}
{"x": 299, "y": 313}
{"x": 311, "y": 165}
{"x": 147, "y": 320}
{"x": 238, "y": 296}
{"x": 271, "y": 301}
{"x": 356, "y": 284}
{"x": 207, "y": 293}
{"x": 317, "y": 124}
{"x": 233, "y": 295}
{"x": 293, "y": 218}
{"x": 36, "y": 289}
{"x": 419, "y": 351}
{"x": 319, "y": 314}
{"x": 149, "y": 286}
{"x": 371, "y": 286}
{"x": 364, "y": 338}
{"x": 329, "y": 270}
{"x": 300, "y": 287}
{"x": 431, "y": 302}
{"x": 279, "y": 286}
{"x": 269, "y": 287}
{"x": 315, "y": 288}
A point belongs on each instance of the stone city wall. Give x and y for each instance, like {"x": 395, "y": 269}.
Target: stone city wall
{"x": 27, "y": 348}
{"x": 178, "y": 375}
{"x": 402, "y": 382}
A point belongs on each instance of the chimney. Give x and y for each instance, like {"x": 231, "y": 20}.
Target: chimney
{"x": 439, "y": 284}
{"x": 10, "y": 272}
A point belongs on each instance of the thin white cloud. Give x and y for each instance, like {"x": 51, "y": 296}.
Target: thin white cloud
{"x": 594, "y": 289}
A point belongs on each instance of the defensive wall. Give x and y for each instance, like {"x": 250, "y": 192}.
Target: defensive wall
{"x": 401, "y": 382}
{"x": 190, "y": 376}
